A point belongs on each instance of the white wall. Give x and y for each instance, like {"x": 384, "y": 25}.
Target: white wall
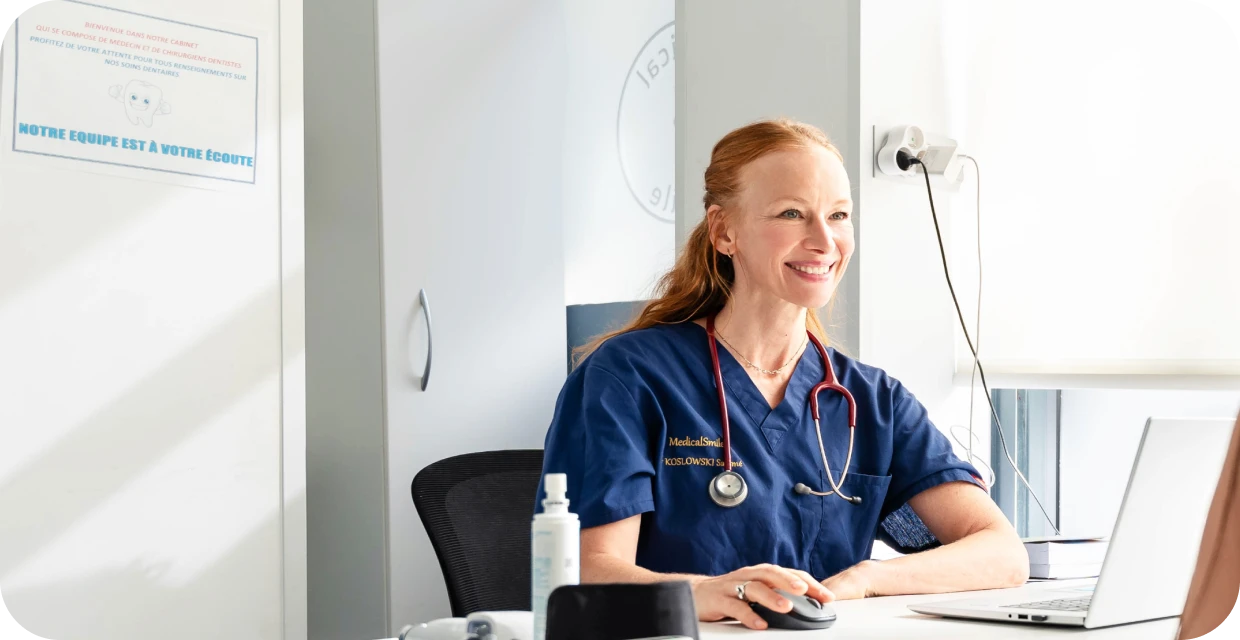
{"x": 906, "y": 316}
{"x": 1100, "y": 430}
{"x": 619, "y": 146}
{"x": 147, "y": 370}
{"x": 743, "y": 61}
{"x": 1107, "y": 199}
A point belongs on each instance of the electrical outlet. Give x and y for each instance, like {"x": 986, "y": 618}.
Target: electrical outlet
{"x": 904, "y": 138}
{"x": 937, "y": 154}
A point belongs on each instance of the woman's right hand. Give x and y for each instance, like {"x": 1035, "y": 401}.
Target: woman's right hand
{"x": 716, "y": 597}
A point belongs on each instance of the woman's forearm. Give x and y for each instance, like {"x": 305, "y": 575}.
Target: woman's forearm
{"x": 987, "y": 559}
{"x": 603, "y": 567}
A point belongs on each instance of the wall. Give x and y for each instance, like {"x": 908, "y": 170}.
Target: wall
{"x": 982, "y": 84}
{"x": 151, "y": 335}
{"x": 1106, "y": 199}
{"x": 1100, "y": 430}
{"x": 908, "y": 325}
{"x": 347, "y": 500}
{"x": 742, "y": 61}
{"x": 906, "y": 321}
{"x": 619, "y": 153}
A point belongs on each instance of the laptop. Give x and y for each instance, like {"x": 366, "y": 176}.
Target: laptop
{"x": 1150, "y": 560}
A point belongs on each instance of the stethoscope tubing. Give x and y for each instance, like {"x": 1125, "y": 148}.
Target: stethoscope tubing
{"x": 723, "y": 400}
{"x": 828, "y": 383}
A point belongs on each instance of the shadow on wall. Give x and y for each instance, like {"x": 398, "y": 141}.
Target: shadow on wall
{"x": 131, "y": 602}
{"x": 46, "y": 496}
{"x": 72, "y": 477}
{"x": 587, "y": 321}
{"x": 44, "y": 245}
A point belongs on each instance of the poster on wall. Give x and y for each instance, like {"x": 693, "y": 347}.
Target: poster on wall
{"x": 148, "y": 96}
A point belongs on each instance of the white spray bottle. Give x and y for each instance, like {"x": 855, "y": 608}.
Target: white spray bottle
{"x": 556, "y": 540}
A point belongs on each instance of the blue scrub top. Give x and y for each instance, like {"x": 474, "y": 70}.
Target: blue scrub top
{"x": 637, "y": 430}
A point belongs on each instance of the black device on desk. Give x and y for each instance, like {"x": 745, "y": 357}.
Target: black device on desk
{"x": 621, "y": 611}
{"x": 806, "y": 613}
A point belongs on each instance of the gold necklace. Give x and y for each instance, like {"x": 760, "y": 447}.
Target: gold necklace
{"x": 769, "y": 372}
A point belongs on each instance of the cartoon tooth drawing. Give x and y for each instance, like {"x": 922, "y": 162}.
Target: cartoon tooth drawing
{"x": 142, "y": 101}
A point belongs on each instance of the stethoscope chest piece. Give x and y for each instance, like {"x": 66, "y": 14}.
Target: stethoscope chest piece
{"x": 728, "y": 489}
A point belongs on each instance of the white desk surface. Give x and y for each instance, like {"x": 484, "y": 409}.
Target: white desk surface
{"x": 875, "y": 618}
{"x": 890, "y": 617}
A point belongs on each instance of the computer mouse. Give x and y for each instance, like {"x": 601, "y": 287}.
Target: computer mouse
{"x": 806, "y": 613}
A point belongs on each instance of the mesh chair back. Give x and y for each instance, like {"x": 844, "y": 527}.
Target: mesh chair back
{"x": 477, "y": 509}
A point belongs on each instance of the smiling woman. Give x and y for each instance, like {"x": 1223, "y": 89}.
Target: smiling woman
{"x": 776, "y": 238}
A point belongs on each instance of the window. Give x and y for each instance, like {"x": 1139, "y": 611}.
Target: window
{"x": 1076, "y": 447}
{"x": 1031, "y": 430}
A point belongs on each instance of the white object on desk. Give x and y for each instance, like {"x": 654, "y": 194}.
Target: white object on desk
{"x": 1057, "y": 551}
{"x": 442, "y": 629}
{"x": 1064, "y": 571}
{"x": 481, "y": 625}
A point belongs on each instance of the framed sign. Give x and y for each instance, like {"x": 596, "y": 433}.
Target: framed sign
{"x": 92, "y": 84}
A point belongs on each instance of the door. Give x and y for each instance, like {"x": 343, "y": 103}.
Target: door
{"x": 471, "y": 125}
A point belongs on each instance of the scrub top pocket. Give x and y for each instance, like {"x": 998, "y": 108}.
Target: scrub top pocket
{"x": 848, "y": 530}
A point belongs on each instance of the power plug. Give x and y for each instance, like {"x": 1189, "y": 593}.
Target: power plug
{"x": 942, "y": 159}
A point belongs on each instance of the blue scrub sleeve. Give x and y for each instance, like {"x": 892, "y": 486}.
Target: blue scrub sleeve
{"x": 600, "y": 439}
{"x": 922, "y": 458}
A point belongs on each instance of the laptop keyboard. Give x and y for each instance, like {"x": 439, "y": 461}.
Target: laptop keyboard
{"x": 1063, "y": 604}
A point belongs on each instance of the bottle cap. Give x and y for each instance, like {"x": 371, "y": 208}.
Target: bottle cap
{"x": 556, "y": 484}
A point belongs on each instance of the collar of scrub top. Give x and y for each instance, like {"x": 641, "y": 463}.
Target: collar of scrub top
{"x": 828, "y": 383}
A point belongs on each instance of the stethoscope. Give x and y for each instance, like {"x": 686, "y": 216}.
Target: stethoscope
{"x": 728, "y": 489}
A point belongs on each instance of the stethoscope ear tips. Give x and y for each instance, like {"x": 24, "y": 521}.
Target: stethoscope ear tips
{"x": 802, "y": 489}
{"x": 855, "y": 499}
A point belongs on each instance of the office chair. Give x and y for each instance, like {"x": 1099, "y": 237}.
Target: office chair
{"x": 477, "y": 509}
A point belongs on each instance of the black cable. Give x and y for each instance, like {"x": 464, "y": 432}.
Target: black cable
{"x": 965, "y": 328}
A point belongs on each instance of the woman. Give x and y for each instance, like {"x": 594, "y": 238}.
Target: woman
{"x": 638, "y": 427}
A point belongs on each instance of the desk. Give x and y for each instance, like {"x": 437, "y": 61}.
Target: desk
{"x": 890, "y": 617}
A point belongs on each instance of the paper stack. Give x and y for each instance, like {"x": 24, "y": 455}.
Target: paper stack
{"x": 1061, "y": 558}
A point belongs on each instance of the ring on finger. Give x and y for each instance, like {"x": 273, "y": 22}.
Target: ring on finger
{"x": 740, "y": 590}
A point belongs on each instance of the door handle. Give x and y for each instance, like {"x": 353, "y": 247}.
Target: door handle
{"x": 426, "y": 311}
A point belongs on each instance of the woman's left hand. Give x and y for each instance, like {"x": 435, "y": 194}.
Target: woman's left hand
{"x": 852, "y": 583}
